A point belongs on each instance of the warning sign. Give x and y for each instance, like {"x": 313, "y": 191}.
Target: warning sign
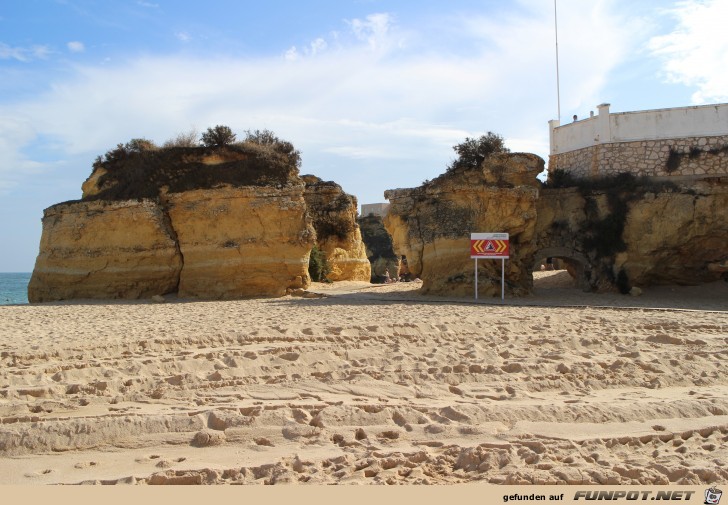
{"x": 489, "y": 245}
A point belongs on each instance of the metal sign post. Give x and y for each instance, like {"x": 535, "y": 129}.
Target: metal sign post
{"x": 490, "y": 246}
{"x": 503, "y": 279}
{"x": 476, "y": 278}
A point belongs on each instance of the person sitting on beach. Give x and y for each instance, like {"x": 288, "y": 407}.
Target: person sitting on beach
{"x": 387, "y": 279}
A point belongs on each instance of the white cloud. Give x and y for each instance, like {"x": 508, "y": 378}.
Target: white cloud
{"x": 316, "y": 47}
{"x": 363, "y": 109}
{"x": 183, "y": 36}
{"x": 593, "y": 40}
{"x": 292, "y": 54}
{"x": 24, "y": 53}
{"x": 696, "y": 52}
{"x": 374, "y": 30}
{"x": 15, "y": 131}
{"x": 76, "y": 46}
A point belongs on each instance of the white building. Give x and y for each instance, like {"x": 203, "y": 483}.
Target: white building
{"x": 683, "y": 141}
{"x": 378, "y": 209}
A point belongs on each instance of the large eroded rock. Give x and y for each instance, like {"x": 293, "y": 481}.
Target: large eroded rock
{"x": 431, "y": 225}
{"x": 204, "y": 222}
{"x": 674, "y": 237}
{"x": 654, "y": 232}
{"x": 103, "y": 249}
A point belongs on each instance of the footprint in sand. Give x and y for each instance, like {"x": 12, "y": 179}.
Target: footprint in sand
{"x": 148, "y": 458}
{"x": 83, "y": 464}
{"x": 38, "y": 474}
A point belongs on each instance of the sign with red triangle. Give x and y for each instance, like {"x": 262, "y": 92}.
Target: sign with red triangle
{"x": 489, "y": 245}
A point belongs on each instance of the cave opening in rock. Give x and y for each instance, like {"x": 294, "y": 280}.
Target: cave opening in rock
{"x": 561, "y": 268}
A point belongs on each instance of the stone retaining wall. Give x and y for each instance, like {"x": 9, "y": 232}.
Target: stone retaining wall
{"x": 691, "y": 156}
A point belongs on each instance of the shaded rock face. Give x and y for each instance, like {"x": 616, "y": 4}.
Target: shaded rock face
{"x": 333, "y": 214}
{"x": 431, "y": 225}
{"x": 208, "y": 223}
{"x": 654, "y": 233}
{"x": 674, "y": 237}
{"x": 380, "y": 250}
{"x": 104, "y": 249}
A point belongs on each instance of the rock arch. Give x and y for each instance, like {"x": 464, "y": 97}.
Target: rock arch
{"x": 577, "y": 263}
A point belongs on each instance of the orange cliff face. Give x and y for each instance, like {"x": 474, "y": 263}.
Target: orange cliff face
{"x": 177, "y": 222}
{"x": 334, "y": 216}
{"x": 105, "y": 249}
{"x": 242, "y": 241}
{"x": 431, "y": 225}
{"x": 614, "y": 234}
{"x": 209, "y": 244}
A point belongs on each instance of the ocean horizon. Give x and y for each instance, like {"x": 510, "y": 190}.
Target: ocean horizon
{"x": 14, "y": 287}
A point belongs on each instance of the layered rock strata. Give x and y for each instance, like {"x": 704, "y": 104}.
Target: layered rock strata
{"x": 208, "y": 223}
{"x": 613, "y": 233}
{"x": 104, "y": 249}
{"x": 431, "y": 225}
{"x": 334, "y": 217}
{"x": 674, "y": 237}
{"x": 240, "y": 242}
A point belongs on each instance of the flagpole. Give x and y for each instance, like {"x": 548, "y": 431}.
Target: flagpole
{"x": 558, "y": 88}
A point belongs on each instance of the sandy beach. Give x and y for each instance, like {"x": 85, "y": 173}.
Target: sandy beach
{"x": 369, "y": 385}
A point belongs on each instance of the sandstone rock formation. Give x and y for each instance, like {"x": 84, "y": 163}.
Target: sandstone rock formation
{"x": 333, "y": 213}
{"x": 431, "y": 225}
{"x": 235, "y": 242}
{"x": 635, "y": 235}
{"x": 104, "y": 249}
{"x": 675, "y": 236}
{"x": 613, "y": 233}
{"x": 206, "y": 222}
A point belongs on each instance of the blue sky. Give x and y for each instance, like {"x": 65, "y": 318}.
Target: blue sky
{"x": 374, "y": 93}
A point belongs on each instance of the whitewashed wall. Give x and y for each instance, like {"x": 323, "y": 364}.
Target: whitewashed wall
{"x": 378, "y": 209}
{"x": 605, "y": 128}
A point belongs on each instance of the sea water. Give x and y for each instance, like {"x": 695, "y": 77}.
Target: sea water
{"x": 14, "y": 288}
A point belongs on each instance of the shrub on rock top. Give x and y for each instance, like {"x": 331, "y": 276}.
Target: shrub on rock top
{"x": 218, "y": 136}
{"x": 268, "y": 140}
{"x": 472, "y": 152}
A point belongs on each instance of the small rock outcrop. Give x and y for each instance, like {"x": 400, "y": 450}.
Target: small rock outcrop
{"x": 333, "y": 215}
{"x": 431, "y": 225}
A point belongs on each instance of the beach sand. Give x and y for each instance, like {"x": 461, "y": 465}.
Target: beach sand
{"x": 370, "y": 385}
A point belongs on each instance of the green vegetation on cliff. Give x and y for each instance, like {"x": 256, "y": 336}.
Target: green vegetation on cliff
{"x": 140, "y": 169}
